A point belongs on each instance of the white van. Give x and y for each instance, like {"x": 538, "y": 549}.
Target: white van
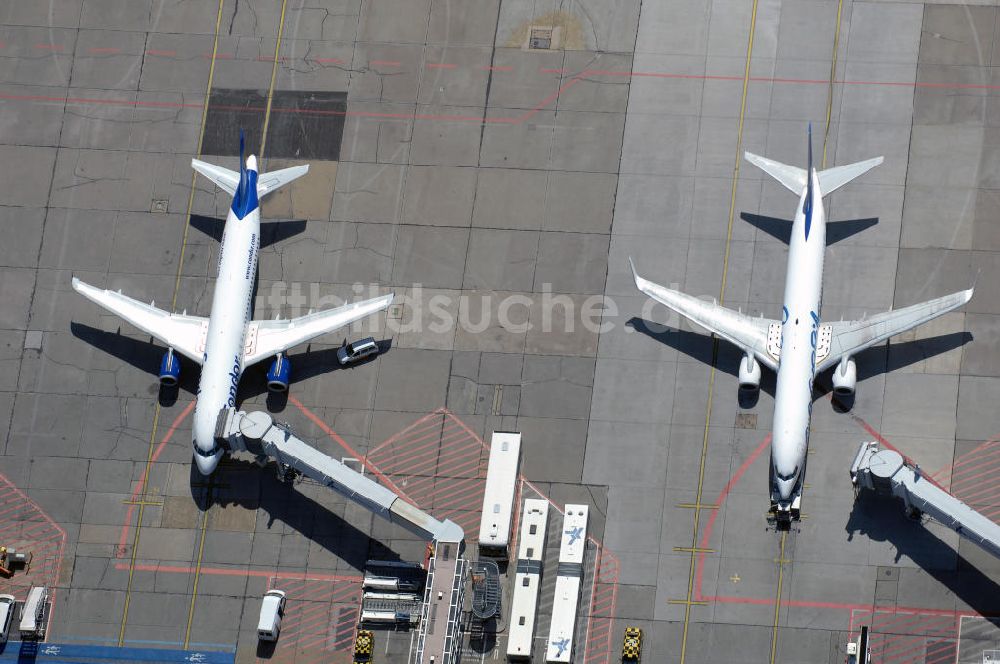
{"x": 7, "y": 604}
{"x": 34, "y": 614}
{"x": 271, "y": 610}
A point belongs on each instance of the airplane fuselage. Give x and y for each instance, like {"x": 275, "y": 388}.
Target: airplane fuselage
{"x": 800, "y": 326}
{"x": 227, "y": 323}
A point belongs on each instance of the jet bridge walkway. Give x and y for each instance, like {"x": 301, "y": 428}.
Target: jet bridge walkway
{"x": 887, "y": 473}
{"x": 440, "y": 630}
{"x": 256, "y": 432}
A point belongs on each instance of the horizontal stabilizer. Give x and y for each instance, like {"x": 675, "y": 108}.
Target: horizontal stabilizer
{"x": 793, "y": 178}
{"x": 269, "y": 182}
{"x": 226, "y": 179}
{"x": 833, "y": 179}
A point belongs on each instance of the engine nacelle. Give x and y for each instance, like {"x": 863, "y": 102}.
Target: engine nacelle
{"x": 279, "y": 374}
{"x": 749, "y": 373}
{"x": 845, "y": 378}
{"x": 170, "y": 369}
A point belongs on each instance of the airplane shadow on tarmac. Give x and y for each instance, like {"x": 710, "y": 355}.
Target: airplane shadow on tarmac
{"x": 781, "y": 229}
{"x": 146, "y": 355}
{"x": 271, "y": 232}
{"x": 883, "y": 519}
{"x": 242, "y": 482}
{"x": 872, "y": 362}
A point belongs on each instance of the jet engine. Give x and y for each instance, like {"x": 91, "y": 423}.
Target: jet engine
{"x": 845, "y": 377}
{"x": 170, "y": 369}
{"x": 279, "y": 374}
{"x": 749, "y": 373}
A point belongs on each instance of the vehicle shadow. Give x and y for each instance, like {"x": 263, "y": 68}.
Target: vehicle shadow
{"x": 883, "y": 519}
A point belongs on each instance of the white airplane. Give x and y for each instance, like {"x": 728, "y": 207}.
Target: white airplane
{"x": 228, "y": 341}
{"x": 799, "y": 346}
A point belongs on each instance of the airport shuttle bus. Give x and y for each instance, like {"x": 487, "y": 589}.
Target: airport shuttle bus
{"x": 498, "y": 496}
{"x": 528, "y": 580}
{"x": 569, "y": 576}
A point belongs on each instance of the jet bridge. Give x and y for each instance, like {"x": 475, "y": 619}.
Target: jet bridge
{"x": 256, "y": 432}
{"x": 439, "y": 638}
{"x": 887, "y": 473}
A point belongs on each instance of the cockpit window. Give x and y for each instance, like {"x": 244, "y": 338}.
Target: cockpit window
{"x": 789, "y": 476}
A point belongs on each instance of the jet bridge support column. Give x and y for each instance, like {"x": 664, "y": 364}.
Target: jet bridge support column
{"x": 887, "y": 473}
{"x": 256, "y": 432}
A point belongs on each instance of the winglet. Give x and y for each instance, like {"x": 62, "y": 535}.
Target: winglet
{"x": 635, "y": 275}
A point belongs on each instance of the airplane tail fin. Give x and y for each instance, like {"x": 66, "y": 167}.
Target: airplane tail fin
{"x": 795, "y": 179}
{"x": 229, "y": 181}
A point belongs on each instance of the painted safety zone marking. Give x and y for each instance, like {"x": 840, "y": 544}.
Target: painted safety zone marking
{"x": 24, "y": 526}
{"x": 440, "y": 464}
{"x": 896, "y": 637}
{"x": 319, "y": 614}
{"x": 971, "y": 478}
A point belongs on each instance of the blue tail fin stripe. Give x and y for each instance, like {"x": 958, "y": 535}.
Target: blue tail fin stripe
{"x": 245, "y": 200}
{"x": 807, "y": 207}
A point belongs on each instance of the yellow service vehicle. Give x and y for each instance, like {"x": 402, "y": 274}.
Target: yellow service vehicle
{"x": 364, "y": 646}
{"x": 632, "y": 645}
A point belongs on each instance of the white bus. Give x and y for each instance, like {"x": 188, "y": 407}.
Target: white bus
{"x": 528, "y": 580}
{"x": 569, "y": 576}
{"x": 498, "y": 496}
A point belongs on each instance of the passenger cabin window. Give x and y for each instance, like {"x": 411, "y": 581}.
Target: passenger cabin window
{"x": 533, "y": 529}
{"x": 531, "y": 552}
{"x": 526, "y": 582}
{"x": 520, "y": 621}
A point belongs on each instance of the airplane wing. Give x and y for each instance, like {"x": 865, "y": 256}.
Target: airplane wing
{"x": 270, "y": 337}
{"x": 183, "y": 333}
{"x": 760, "y": 336}
{"x": 851, "y": 337}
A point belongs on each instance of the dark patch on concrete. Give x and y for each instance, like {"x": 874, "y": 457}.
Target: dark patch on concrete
{"x": 307, "y": 125}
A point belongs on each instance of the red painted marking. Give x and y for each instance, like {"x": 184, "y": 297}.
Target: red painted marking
{"x": 96, "y": 51}
{"x": 719, "y": 501}
{"x": 335, "y": 61}
{"x": 218, "y": 56}
{"x": 384, "y": 63}
{"x": 435, "y": 421}
{"x": 971, "y": 474}
{"x": 870, "y": 430}
{"x": 237, "y": 571}
{"x": 543, "y": 70}
{"x": 168, "y": 54}
{"x": 123, "y": 539}
{"x": 440, "y": 65}
{"x": 270, "y": 58}
{"x": 343, "y": 443}
{"x": 495, "y": 68}
{"x": 49, "y": 47}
